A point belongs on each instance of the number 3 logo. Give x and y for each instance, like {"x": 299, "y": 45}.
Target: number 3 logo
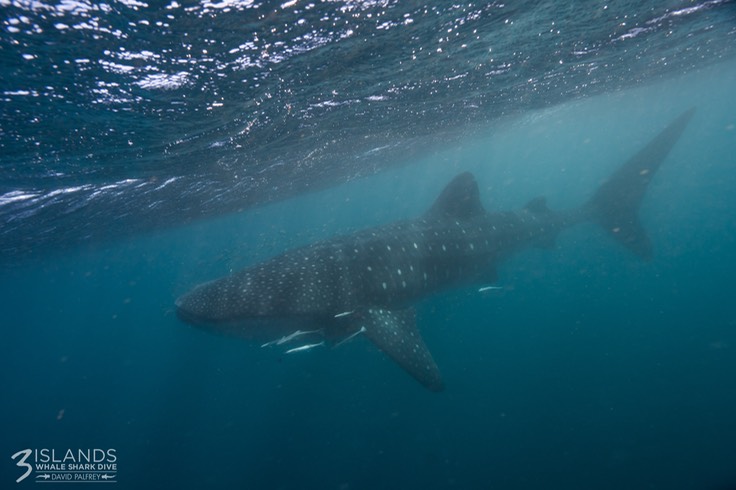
{"x": 22, "y": 463}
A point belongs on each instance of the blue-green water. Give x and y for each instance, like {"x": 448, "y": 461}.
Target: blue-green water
{"x": 589, "y": 369}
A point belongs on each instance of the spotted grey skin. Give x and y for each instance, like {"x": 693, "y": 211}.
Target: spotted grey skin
{"x": 368, "y": 281}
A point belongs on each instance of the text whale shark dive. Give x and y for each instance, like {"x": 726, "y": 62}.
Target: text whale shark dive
{"x": 366, "y": 282}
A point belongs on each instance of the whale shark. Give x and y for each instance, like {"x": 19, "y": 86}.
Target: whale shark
{"x": 367, "y": 283}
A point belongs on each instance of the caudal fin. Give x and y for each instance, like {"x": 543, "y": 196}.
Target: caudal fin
{"x": 615, "y": 204}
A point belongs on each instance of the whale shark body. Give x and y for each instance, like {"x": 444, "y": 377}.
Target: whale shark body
{"x": 365, "y": 283}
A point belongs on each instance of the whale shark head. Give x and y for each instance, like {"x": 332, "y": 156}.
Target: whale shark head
{"x": 304, "y": 284}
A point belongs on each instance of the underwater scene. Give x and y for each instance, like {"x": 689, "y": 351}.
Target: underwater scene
{"x": 368, "y": 244}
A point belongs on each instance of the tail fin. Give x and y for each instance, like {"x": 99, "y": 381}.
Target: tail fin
{"x": 615, "y": 204}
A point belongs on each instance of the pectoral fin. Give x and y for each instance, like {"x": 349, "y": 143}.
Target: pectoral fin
{"x": 396, "y": 334}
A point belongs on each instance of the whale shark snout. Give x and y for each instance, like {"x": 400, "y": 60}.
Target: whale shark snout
{"x": 201, "y": 307}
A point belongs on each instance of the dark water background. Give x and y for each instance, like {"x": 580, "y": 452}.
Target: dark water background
{"x": 590, "y": 369}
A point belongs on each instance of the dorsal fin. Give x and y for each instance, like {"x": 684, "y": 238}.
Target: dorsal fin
{"x": 460, "y": 199}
